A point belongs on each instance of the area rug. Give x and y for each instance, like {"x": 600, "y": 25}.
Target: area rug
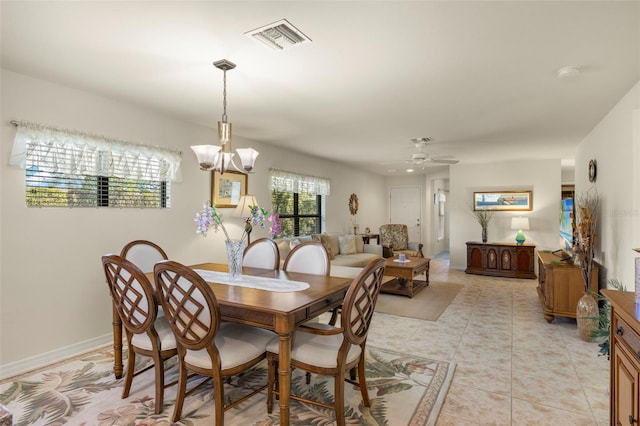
{"x": 428, "y": 304}
{"x": 403, "y": 389}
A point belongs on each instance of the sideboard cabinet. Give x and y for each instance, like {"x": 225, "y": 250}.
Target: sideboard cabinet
{"x": 560, "y": 284}
{"x": 501, "y": 259}
{"x": 624, "y": 358}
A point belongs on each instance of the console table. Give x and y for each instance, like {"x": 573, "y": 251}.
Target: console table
{"x": 501, "y": 259}
{"x": 367, "y": 237}
{"x": 560, "y": 284}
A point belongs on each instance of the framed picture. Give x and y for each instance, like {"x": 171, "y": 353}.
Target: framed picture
{"x": 503, "y": 201}
{"x": 226, "y": 189}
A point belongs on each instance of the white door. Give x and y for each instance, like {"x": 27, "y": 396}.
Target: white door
{"x": 404, "y": 207}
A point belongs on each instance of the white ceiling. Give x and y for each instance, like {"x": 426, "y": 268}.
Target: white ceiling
{"x": 478, "y": 77}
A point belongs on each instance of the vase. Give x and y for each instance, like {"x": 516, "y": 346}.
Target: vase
{"x": 587, "y": 316}
{"x": 484, "y": 234}
{"x": 235, "y": 251}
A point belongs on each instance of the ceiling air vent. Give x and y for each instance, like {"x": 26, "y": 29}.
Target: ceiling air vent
{"x": 279, "y": 35}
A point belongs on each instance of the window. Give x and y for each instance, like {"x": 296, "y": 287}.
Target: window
{"x": 298, "y": 201}
{"x": 300, "y": 214}
{"x": 71, "y": 169}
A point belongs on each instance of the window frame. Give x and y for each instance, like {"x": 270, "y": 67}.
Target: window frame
{"x": 296, "y": 216}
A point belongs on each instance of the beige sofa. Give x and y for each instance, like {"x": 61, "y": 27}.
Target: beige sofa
{"x": 351, "y": 253}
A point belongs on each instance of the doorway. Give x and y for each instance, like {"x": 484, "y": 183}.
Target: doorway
{"x": 405, "y": 207}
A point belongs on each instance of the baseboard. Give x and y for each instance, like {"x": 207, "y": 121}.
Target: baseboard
{"x": 41, "y": 360}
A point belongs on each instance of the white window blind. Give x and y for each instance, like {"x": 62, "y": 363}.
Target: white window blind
{"x": 283, "y": 181}
{"x": 69, "y": 168}
{"x": 76, "y": 153}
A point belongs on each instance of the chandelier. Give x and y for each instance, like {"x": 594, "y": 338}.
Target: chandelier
{"x": 220, "y": 158}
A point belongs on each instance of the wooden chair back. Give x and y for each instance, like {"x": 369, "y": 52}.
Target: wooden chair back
{"x": 132, "y": 294}
{"x": 360, "y": 302}
{"x": 189, "y": 304}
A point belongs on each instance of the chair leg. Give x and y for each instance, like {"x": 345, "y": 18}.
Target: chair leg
{"x": 159, "y": 370}
{"x": 362, "y": 381}
{"x": 339, "y": 398}
{"x": 218, "y": 390}
{"x": 131, "y": 365}
{"x": 271, "y": 377}
{"x": 334, "y": 316}
{"x": 180, "y": 393}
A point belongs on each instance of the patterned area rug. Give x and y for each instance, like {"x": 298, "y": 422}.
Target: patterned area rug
{"x": 404, "y": 390}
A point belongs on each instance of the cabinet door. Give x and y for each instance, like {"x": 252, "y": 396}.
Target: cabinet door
{"x": 625, "y": 410}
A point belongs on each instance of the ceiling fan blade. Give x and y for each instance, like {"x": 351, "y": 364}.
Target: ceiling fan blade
{"x": 442, "y": 161}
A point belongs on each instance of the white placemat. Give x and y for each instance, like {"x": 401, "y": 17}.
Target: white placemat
{"x": 261, "y": 283}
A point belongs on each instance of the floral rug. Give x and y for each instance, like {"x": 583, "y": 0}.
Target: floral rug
{"x": 403, "y": 389}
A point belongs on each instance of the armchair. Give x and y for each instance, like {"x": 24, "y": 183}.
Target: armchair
{"x": 394, "y": 239}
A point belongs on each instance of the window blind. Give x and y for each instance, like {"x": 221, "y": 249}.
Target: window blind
{"x": 66, "y": 169}
{"x": 283, "y": 181}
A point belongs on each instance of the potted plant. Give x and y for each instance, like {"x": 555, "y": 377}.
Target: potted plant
{"x": 604, "y": 319}
{"x": 483, "y": 217}
{"x": 585, "y": 240}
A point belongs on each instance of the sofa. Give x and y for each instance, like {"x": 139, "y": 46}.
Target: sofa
{"x": 345, "y": 250}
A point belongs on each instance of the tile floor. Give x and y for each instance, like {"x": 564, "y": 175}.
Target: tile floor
{"x": 512, "y": 367}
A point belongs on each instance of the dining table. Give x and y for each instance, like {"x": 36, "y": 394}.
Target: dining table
{"x": 276, "y": 310}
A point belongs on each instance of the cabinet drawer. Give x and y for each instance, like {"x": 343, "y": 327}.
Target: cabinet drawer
{"x": 325, "y": 305}
{"x": 625, "y": 335}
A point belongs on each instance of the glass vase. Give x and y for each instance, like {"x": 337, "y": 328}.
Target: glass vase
{"x": 587, "y": 316}
{"x": 235, "y": 251}
{"x": 484, "y": 234}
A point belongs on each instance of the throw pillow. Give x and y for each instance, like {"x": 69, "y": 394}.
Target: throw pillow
{"x": 326, "y": 243}
{"x": 294, "y": 242}
{"x": 335, "y": 244}
{"x": 347, "y": 244}
{"x": 359, "y": 244}
{"x": 284, "y": 249}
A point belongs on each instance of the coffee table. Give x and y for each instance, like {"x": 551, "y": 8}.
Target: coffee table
{"x": 403, "y": 283}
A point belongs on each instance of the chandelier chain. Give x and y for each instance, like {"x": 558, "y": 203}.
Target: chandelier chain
{"x": 224, "y": 96}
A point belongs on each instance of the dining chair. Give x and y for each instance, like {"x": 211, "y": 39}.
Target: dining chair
{"x": 309, "y": 257}
{"x": 144, "y": 254}
{"x": 206, "y": 346}
{"x": 332, "y": 350}
{"x": 262, "y": 253}
{"x": 147, "y": 334}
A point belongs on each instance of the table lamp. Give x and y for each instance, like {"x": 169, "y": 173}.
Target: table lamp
{"x": 243, "y": 210}
{"x": 520, "y": 223}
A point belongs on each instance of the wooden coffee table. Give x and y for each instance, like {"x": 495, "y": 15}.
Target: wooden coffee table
{"x": 403, "y": 283}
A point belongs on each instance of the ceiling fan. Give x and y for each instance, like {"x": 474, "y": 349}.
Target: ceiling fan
{"x": 421, "y": 158}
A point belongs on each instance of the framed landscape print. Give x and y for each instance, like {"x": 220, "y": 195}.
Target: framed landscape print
{"x": 227, "y": 188}
{"x": 503, "y": 200}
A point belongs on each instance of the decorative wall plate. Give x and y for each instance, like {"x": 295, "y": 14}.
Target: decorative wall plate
{"x": 353, "y": 204}
{"x": 593, "y": 170}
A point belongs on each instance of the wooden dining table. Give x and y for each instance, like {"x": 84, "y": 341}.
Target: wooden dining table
{"x": 280, "y": 312}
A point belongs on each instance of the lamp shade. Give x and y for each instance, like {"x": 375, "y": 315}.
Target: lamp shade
{"x": 243, "y": 209}
{"x": 247, "y": 157}
{"x": 520, "y": 223}
{"x": 206, "y": 155}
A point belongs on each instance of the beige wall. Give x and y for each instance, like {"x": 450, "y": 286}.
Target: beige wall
{"x": 53, "y": 299}
{"x": 615, "y": 144}
{"x": 540, "y": 176}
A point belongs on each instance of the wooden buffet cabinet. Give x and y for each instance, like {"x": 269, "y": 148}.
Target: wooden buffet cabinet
{"x": 560, "y": 284}
{"x": 501, "y": 259}
{"x": 624, "y": 358}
